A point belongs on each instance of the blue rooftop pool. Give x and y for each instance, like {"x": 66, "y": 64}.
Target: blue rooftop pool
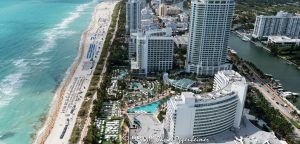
{"x": 149, "y": 108}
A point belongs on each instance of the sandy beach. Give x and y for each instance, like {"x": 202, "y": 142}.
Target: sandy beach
{"x": 69, "y": 96}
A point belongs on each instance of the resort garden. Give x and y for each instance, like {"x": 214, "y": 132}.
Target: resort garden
{"x": 181, "y": 81}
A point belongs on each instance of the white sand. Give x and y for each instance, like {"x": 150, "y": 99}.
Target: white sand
{"x": 70, "y": 95}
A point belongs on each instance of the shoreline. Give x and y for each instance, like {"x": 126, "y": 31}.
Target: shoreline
{"x": 56, "y": 102}
{"x": 294, "y": 105}
{"x": 268, "y": 50}
{"x": 44, "y": 132}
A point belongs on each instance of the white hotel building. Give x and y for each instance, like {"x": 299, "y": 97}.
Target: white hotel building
{"x": 151, "y": 51}
{"x": 282, "y": 24}
{"x": 192, "y": 115}
{"x": 209, "y": 34}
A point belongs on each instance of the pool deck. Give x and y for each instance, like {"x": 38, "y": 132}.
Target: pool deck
{"x": 145, "y": 108}
{"x": 143, "y": 103}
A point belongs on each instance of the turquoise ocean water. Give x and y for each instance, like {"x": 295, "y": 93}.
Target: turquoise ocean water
{"x": 39, "y": 40}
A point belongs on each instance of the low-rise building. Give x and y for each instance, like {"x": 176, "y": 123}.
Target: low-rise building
{"x": 162, "y": 10}
{"x": 283, "y": 41}
{"x": 173, "y": 10}
{"x": 183, "y": 17}
{"x": 181, "y": 27}
{"x": 171, "y": 1}
{"x": 181, "y": 41}
{"x": 147, "y": 13}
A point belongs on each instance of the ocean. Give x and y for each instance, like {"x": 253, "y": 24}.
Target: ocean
{"x": 39, "y": 41}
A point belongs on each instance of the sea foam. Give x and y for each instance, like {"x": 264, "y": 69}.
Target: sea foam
{"x": 13, "y": 81}
{"x": 8, "y": 85}
{"x": 59, "y": 31}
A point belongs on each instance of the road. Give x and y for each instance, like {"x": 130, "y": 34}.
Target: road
{"x": 278, "y": 102}
{"x": 271, "y": 94}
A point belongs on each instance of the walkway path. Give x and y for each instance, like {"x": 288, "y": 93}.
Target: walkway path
{"x": 88, "y": 121}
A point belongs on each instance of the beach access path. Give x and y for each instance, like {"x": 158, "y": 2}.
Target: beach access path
{"x": 88, "y": 121}
{"x": 69, "y": 96}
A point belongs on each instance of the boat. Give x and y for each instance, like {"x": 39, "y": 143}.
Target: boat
{"x": 232, "y": 51}
{"x": 289, "y": 63}
{"x": 285, "y": 94}
{"x": 277, "y": 87}
{"x": 245, "y": 38}
{"x": 280, "y": 89}
{"x": 269, "y": 75}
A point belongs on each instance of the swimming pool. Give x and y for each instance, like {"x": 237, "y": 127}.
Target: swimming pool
{"x": 149, "y": 108}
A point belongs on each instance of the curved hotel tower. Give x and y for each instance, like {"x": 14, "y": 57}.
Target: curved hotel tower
{"x": 208, "y": 38}
{"x": 191, "y": 115}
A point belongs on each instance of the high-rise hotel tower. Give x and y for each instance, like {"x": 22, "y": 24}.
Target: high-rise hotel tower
{"x": 208, "y": 38}
{"x": 133, "y": 15}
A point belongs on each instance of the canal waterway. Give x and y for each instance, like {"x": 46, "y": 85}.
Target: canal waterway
{"x": 288, "y": 75}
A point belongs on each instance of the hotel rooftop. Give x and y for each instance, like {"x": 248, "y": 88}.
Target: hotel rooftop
{"x": 222, "y": 87}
